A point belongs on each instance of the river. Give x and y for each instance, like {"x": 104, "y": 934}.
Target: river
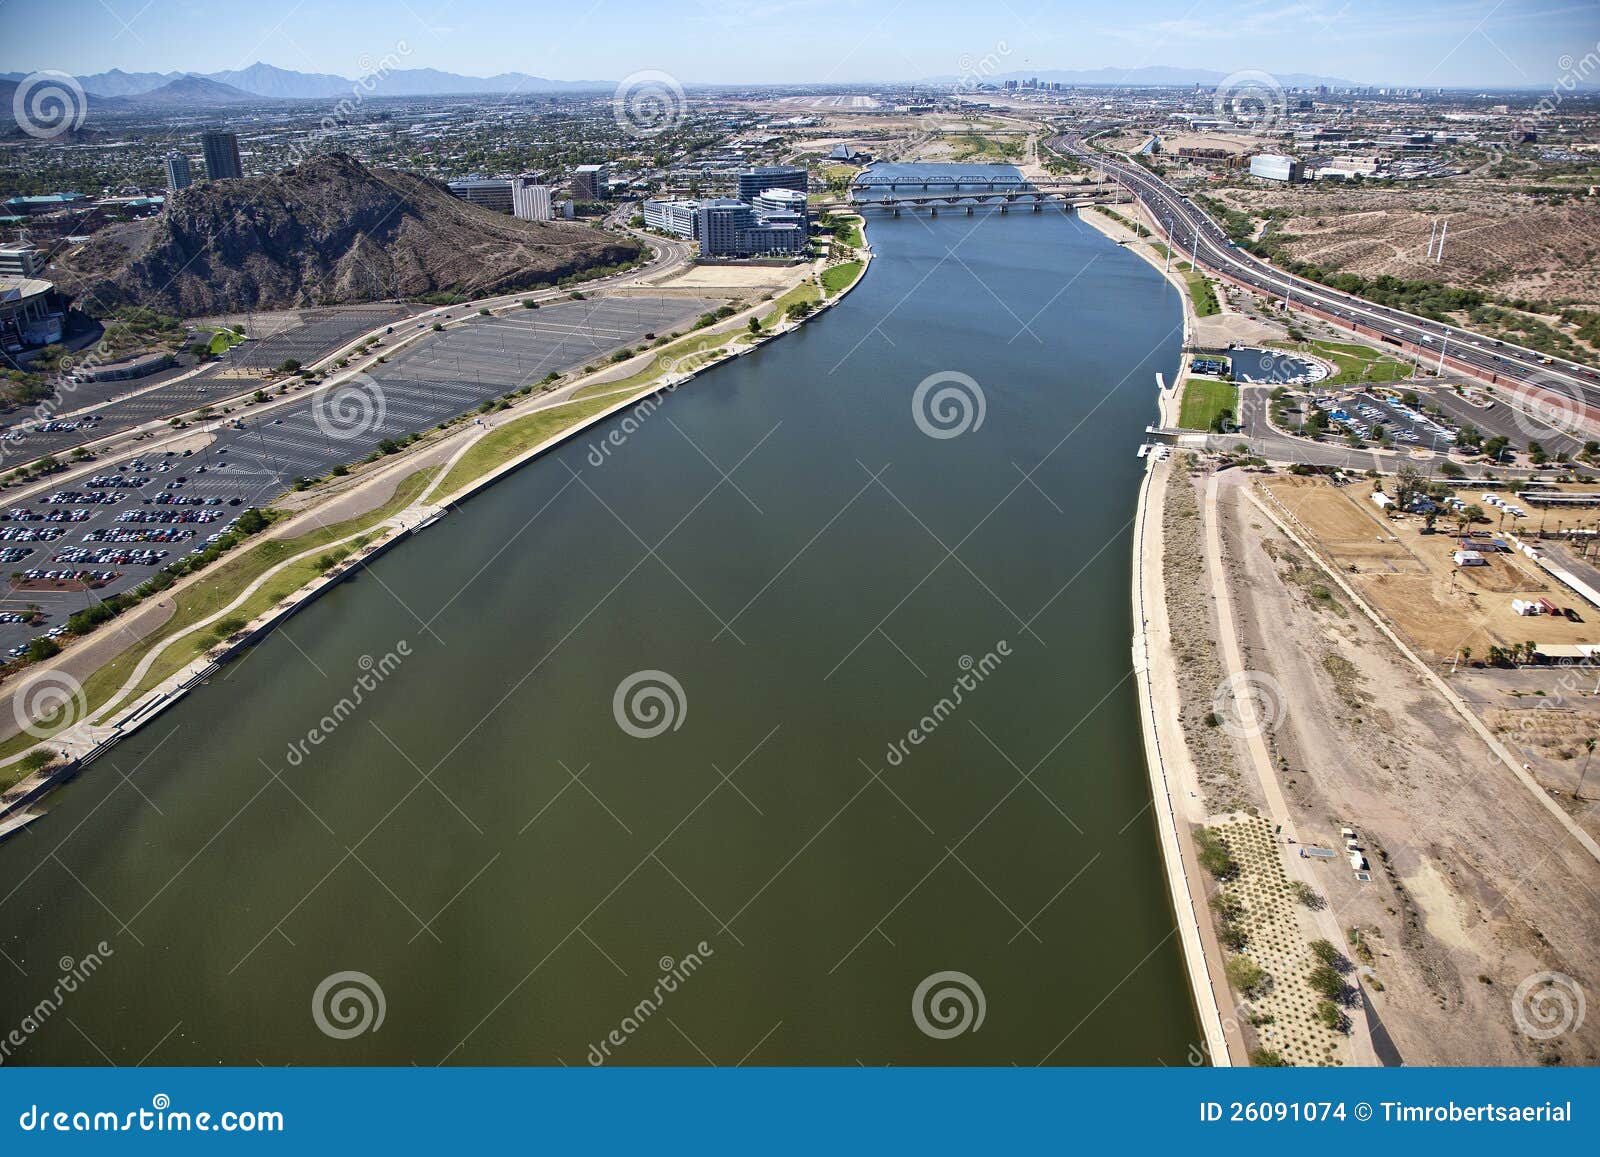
{"x": 516, "y": 872}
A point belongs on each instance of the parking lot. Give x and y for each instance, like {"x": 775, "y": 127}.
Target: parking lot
{"x": 1368, "y": 416}
{"x": 98, "y": 527}
{"x": 311, "y": 335}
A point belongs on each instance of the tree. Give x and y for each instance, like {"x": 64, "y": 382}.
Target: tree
{"x": 1324, "y": 951}
{"x": 755, "y": 325}
{"x": 1408, "y": 484}
{"x": 1330, "y": 1015}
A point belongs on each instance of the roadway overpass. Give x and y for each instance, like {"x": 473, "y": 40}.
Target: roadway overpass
{"x": 1193, "y": 234}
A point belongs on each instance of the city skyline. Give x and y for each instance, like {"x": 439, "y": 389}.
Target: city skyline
{"x": 1528, "y": 44}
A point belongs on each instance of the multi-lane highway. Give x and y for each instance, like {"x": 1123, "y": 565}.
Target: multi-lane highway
{"x": 1575, "y": 387}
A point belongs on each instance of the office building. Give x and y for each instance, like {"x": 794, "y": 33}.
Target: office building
{"x": 20, "y": 261}
{"x": 530, "y": 200}
{"x": 786, "y": 205}
{"x": 1271, "y": 167}
{"x": 730, "y": 228}
{"x": 589, "y": 182}
{"x": 222, "y": 155}
{"x": 178, "y": 175}
{"x": 754, "y": 182}
{"x": 677, "y": 217}
{"x": 488, "y": 192}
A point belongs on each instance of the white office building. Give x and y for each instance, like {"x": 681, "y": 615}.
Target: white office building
{"x": 1272, "y": 167}
{"x": 530, "y": 200}
{"x": 680, "y": 218}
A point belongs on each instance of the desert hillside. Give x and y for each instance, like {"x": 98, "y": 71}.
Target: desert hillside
{"x": 329, "y": 231}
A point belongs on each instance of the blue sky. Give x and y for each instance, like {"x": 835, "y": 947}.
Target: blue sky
{"x": 1434, "y": 42}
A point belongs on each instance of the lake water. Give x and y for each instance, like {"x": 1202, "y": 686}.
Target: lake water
{"x": 818, "y": 833}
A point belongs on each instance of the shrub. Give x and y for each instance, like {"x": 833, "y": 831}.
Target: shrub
{"x": 1265, "y": 1058}
{"x": 1244, "y": 974}
{"x": 1213, "y": 854}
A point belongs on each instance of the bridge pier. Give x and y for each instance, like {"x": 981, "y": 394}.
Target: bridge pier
{"x": 897, "y": 211}
{"x": 1037, "y": 206}
{"x": 1004, "y": 207}
{"x": 933, "y": 210}
{"x": 969, "y": 210}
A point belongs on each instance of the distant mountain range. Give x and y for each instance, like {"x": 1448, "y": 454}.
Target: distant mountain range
{"x": 264, "y": 81}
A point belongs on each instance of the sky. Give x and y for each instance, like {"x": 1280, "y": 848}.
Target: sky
{"x": 1449, "y": 43}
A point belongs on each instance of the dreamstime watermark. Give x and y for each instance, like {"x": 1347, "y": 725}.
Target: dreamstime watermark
{"x": 347, "y": 108}
{"x": 1251, "y": 98}
{"x": 374, "y": 672}
{"x": 347, "y": 1004}
{"x": 973, "y": 72}
{"x": 74, "y": 973}
{"x": 674, "y": 973}
{"x": 352, "y": 409}
{"x": 1248, "y": 704}
{"x": 1555, "y": 406}
{"x": 48, "y": 702}
{"x": 1547, "y": 1005}
{"x": 48, "y": 104}
{"x": 628, "y": 425}
{"x": 649, "y": 703}
{"x": 948, "y": 1004}
{"x": 948, "y": 404}
{"x": 1576, "y": 74}
{"x": 974, "y": 672}
{"x": 648, "y": 103}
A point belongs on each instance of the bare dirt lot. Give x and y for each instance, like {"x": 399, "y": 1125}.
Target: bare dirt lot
{"x": 1502, "y": 242}
{"x": 1475, "y": 886}
{"x": 1411, "y": 577}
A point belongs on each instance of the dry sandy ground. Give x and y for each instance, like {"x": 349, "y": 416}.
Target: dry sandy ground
{"x": 1505, "y": 243}
{"x": 736, "y": 277}
{"x": 1475, "y": 887}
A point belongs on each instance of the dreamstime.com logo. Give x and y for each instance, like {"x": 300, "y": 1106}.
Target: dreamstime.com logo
{"x": 355, "y": 407}
{"x": 73, "y": 975}
{"x": 649, "y": 703}
{"x": 1555, "y": 406}
{"x": 674, "y": 974}
{"x": 648, "y": 103}
{"x": 948, "y": 1004}
{"x": 1253, "y": 99}
{"x": 1548, "y": 1004}
{"x": 49, "y": 702}
{"x": 1248, "y": 704}
{"x": 347, "y": 1004}
{"x": 48, "y": 104}
{"x": 948, "y": 404}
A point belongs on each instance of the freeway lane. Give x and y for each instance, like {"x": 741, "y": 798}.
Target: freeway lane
{"x": 1193, "y": 232}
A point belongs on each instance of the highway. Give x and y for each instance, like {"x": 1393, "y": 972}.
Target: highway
{"x": 1193, "y": 233}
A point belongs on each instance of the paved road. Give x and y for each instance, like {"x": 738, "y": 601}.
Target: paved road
{"x": 1193, "y": 232}
{"x": 100, "y": 411}
{"x": 440, "y": 376}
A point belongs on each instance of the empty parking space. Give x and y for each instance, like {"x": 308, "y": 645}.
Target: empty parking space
{"x": 443, "y": 375}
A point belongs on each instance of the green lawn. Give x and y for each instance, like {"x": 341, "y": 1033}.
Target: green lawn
{"x": 805, "y": 291}
{"x": 1356, "y": 363}
{"x": 1203, "y": 401}
{"x": 224, "y": 340}
{"x": 1202, "y": 293}
{"x": 841, "y": 276}
{"x": 215, "y": 590}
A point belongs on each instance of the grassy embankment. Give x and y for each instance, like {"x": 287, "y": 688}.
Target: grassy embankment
{"x": 1356, "y": 364}
{"x": 839, "y": 277}
{"x": 215, "y": 591}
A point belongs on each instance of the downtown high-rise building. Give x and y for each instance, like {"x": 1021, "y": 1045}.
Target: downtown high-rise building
{"x": 178, "y": 174}
{"x": 222, "y": 155}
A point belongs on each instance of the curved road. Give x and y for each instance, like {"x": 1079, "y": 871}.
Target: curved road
{"x": 1192, "y": 231}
